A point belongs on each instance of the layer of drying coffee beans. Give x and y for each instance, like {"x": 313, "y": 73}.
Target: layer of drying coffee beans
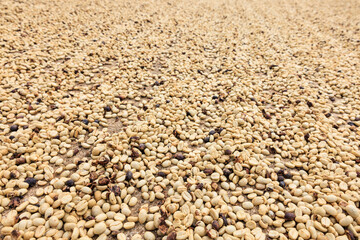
{"x": 198, "y": 119}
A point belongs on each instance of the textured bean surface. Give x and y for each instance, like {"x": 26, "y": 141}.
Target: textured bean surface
{"x": 179, "y": 119}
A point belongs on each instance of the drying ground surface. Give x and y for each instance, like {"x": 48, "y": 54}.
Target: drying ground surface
{"x": 180, "y": 119}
